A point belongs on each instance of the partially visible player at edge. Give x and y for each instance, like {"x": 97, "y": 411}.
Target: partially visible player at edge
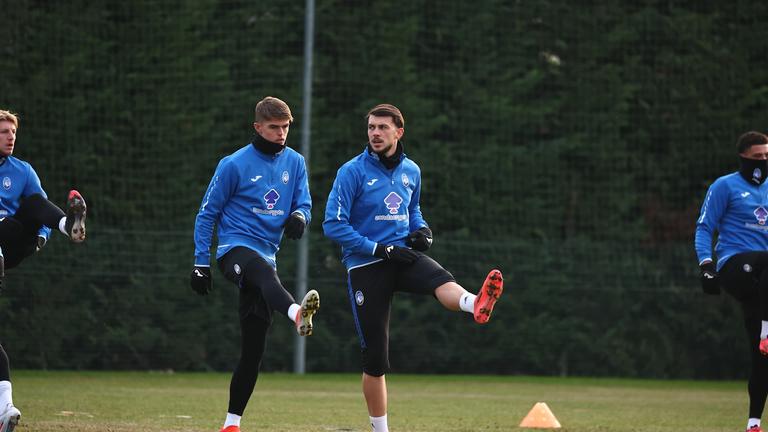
{"x": 373, "y": 213}
{"x": 26, "y": 220}
{"x": 256, "y": 194}
{"x": 736, "y": 207}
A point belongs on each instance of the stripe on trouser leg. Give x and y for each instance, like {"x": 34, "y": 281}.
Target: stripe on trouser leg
{"x": 353, "y": 303}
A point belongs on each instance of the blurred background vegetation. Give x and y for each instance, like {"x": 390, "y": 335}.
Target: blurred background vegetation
{"x": 569, "y": 144}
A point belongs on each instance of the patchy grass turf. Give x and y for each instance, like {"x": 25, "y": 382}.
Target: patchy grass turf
{"x": 197, "y": 402}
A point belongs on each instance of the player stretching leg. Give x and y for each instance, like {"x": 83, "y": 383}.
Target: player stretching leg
{"x": 373, "y": 212}
{"x": 26, "y": 220}
{"x": 256, "y": 194}
{"x": 734, "y": 209}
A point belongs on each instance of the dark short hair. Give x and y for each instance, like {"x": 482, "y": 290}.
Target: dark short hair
{"x": 749, "y": 139}
{"x": 387, "y": 110}
{"x": 272, "y": 108}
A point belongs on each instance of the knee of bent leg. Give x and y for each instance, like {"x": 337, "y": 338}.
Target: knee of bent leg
{"x": 34, "y": 198}
{"x": 375, "y": 362}
{"x": 259, "y": 273}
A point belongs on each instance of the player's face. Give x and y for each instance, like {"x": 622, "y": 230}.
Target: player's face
{"x": 275, "y": 131}
{"x": 7, "y": 138}
{"x": 383, "y": 134}
{"x": 757, "y": 152}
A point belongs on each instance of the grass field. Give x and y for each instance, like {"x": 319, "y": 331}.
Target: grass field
{"x": 197, "y": 402}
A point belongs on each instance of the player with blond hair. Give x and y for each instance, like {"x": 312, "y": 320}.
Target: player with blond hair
{"x": 26, "y": 220}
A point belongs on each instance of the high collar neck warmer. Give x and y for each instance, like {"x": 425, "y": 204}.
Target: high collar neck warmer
{"x": 389, "y": 161}
{"x": 266, "y": 147}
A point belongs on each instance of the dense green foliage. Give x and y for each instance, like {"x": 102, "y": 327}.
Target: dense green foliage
{"x": 569, "y": 144}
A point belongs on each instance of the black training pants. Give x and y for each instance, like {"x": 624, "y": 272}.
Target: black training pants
{"x": 18, "y": 233}
{"x": 745, "y": 277}
{"x": 260, "y": 293}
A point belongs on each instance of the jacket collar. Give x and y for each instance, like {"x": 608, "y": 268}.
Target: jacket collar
{"x": 388, "y": 162}
{"x": 267, "y": 148}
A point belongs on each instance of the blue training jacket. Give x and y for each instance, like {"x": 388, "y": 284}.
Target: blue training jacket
{"x": 249, "y": 199}
{"x": 370, "y": 204}
{"x": 18, "y": 180}
{"x": 738, "y": 211}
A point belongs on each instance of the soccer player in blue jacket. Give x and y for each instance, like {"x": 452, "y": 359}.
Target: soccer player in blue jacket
{"x": 26, "y": 220}
{"x": 736, "y": 207}
{"x": 256, "y": 194}
{"x": 373, "y": 213}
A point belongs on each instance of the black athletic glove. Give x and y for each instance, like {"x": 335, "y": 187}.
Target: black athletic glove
{"x": 40, "y": 243}
{"x": 294, "y": 226}
{"x": 421, "y": 239}
{"x": 396, "y": 254}
{"x": 200, "y": 280}
{"x": 710, "y": 282}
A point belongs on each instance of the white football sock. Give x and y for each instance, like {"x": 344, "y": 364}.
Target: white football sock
{"x": 467, "y": 302}
{"x": 753, "y": 421}
{"x": 62, "y": 225}
{"x": 379, "y": 424}
{"x": 232, "y": 420}
{"x": 293, "y": 310}
{"x": 5, "y": 394}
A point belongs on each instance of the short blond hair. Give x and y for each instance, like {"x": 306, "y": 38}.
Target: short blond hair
{"x": 9, "y": 116}
{"x": 272, "y": 108}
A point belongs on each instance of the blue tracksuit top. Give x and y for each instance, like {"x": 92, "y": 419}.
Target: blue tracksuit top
{"x": 370, "y": 204}
{"x": 18, "y": 180}
{"x": 738, "y": 211}
{"x": 249, "y": 199}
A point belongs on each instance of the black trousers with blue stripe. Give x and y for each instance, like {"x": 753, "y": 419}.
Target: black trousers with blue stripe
{"x": 371, "y": 289}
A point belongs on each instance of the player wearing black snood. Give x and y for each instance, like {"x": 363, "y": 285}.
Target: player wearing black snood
{"x": 736, "y": 207}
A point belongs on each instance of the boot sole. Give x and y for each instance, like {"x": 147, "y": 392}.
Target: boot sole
{"x": 491, "y": 291}
{"x": 77, "y": 211}
{"x": 13, "y": 421}
{"x": 309, "y": 308}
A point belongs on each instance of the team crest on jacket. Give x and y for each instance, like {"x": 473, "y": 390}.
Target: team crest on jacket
{"x": 270, "y": 198}
{"x": 406, "y": 182}
{"x": 761, "y": 214}
{"x": 285, "y": 177}
{"x": 6, "y": 183}
{"x": 359, "y": 298}
{"x": 393, "y": 202}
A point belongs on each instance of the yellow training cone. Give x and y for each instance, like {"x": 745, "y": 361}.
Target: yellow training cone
{"x": 541, "y": 417}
